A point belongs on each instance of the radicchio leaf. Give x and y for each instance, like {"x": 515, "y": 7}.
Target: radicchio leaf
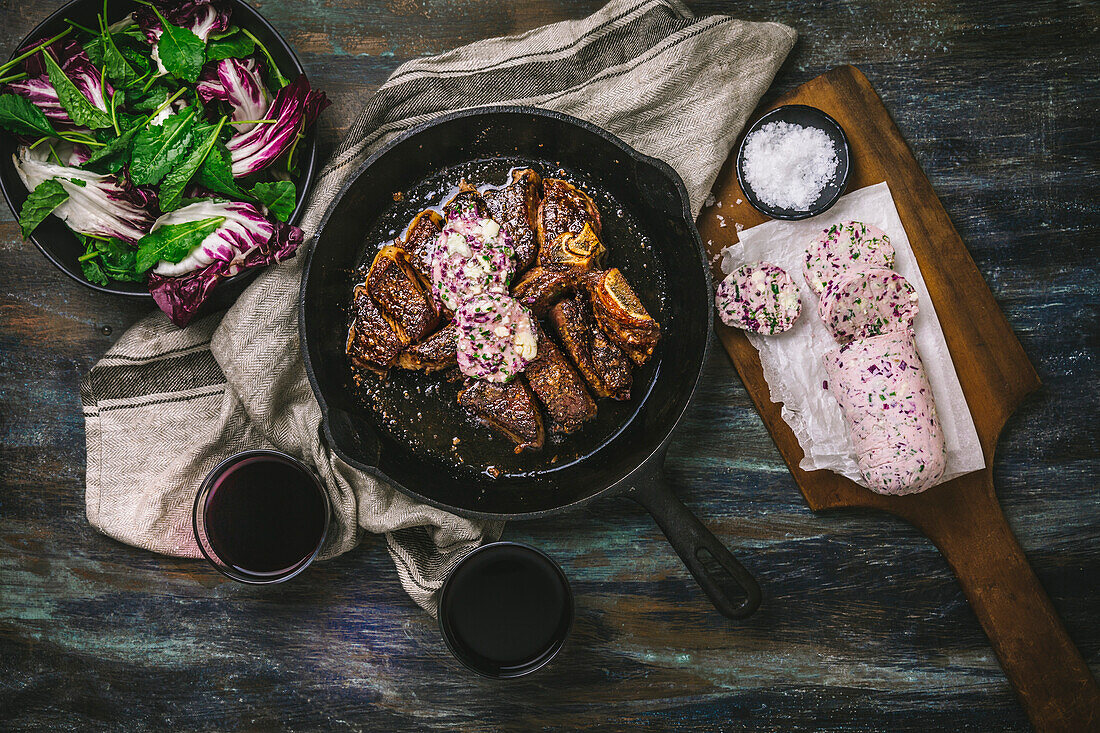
{"x": 104, "y": 205}
{"x": 202, "y": 17}
{"x": 76, "y": 66}
{"x": 238, "y": 82}
{"x": 246, "y": 240}
{"x": 295, "y": 108}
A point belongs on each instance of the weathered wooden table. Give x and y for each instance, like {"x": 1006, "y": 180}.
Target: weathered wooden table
{"x": 863, "y": 626}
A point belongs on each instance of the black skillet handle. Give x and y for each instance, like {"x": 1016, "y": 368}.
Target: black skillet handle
{"x": 726, "y": 582}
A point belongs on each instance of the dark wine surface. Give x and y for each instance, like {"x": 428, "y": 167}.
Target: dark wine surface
{"x": 506, "y": 610}
{"x": 265, "y": 517}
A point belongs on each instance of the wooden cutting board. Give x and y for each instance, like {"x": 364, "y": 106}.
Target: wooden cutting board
{"x": 962, "y": 517}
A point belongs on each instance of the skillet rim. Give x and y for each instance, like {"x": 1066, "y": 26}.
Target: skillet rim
{"x": 650, "y": 463}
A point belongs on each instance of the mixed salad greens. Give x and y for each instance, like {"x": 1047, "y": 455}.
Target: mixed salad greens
{"x": 166, "y": 141}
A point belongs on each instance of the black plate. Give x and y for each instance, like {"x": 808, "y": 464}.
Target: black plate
{"x": 54, "y": 239}
{"x": 801, "y": 114}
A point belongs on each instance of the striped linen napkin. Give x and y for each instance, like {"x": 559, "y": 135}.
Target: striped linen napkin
{"x": 164, "y": 405}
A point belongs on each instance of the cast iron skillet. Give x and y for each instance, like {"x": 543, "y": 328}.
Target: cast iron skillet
{"x": 630, "y": 461}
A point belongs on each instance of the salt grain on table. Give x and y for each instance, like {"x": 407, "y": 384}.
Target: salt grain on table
{"x": 789, "y": 165}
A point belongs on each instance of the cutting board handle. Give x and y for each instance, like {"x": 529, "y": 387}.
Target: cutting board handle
{"x": 1050, "y": 676}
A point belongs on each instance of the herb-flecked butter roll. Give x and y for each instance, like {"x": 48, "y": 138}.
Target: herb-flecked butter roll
{"x": 887, "y": 402}
{"x": 864, "y": 303}
{"x": 849, "y": 245}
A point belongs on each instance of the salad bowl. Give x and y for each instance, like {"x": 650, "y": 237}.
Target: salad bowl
{"x": 55, "y": 240}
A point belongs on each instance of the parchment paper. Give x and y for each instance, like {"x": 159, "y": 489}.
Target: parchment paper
{"x": 792, "y": 360}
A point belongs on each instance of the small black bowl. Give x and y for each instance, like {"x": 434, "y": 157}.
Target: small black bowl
{"x": 505, "y": 610}
{"x": 55, "y": 240}
{"x": 800, "y": 114}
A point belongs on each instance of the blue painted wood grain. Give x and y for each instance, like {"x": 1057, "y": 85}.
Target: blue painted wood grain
{"x": 863, "y": 626}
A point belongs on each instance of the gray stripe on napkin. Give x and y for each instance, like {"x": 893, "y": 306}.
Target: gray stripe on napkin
{"x": 164, "y": 405}
{"x": 138, "y": 378}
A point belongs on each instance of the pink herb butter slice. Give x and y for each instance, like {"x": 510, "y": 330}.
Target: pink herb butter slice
{"x": 863, "y": 303}
{"x": 495, "y": 337}
{"x": 846, "y": 246}
{"x": 758, "y": 297}
{"x": 887, "y": 402}
{"x": 471, "y": 255}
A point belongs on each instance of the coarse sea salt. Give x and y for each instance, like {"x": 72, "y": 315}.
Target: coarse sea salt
{"x": 788, "y": 165}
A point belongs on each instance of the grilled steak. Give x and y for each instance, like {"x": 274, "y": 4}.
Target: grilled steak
{"x": 515, "y": 207}
{"x": 402, "y": 295}
{"x": 602, "y": 364}
{"x": 564, "y": 209}
{"x": 423, "y": 230}
{"x": 438, "y": 351}
{"x": 583, "y": 251}
{"x": 372, "y": 343}
{"x": 542, "y": 286}
{"x": 621, "y": 315}
{"x": 507, "y": 408}
{"x": 558, "y": 387}
{"x": 467, "y": 197}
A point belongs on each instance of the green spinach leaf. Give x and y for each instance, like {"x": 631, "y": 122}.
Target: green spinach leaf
{"x": 80, "y": 110}
{"x": 150, "y": 100}
{"x": 173, "y": 242}
{"x": 180, "y": 50}
{"x": 40, "y": 203}
{"x": 279, "y": 197}
{"x": 137, "y": 57}
{"x": 117, "y": 66}
{"x": 171, "y": 188}
{"x": 109, "y": 259}
{"x": 159, "y": 147}
{"x": 92, "y": 271}
{"x": 216, "y": 172}
{"x": 20, "y": 116}
{"x": 235, "y": 46}
{"x": 119, "y": 259}
{"x": 95, "y": 50}
{"x": 114, "y": 154}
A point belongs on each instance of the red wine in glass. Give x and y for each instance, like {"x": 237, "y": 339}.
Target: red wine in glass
{"x": 505, "y": 610}
{"x": 261, "y": 517}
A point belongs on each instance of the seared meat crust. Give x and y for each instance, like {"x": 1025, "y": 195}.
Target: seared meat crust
{"x": 582, "y": 251}
{"x": 602, "y": 364}
{"x": 559, "y": 388}
{"x": 515, "y": 207}
{"x": 467, "y": 197}
{"x": 438, "y": 351}
{"x": 543, "y": 286}
{"x": 564, "y": 209}
{"x": 621, "y": 315}
{"x": 402, "y": 295}
{"x": 372, "y": 343}
{"x": 509, "y": 408}
{"x": 421, "y": 234}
